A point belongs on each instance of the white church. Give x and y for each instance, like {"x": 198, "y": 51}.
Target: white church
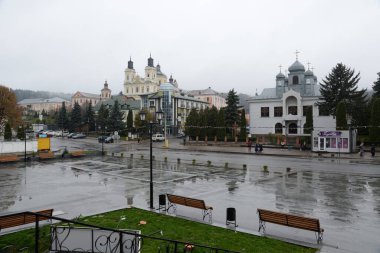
{"x": 280, "y": 112}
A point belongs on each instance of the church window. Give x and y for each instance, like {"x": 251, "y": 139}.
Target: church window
{"x": 264, "y": 112}
{"x": 278, "y": 128}
{"x": 292, "y": 128}
{"x": 306, "y": 108}
{"x": 295, "y": 80}
{"x": 292, "y": 110}
{"x": 278, "y": 111}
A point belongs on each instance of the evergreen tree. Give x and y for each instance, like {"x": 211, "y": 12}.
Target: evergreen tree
{"x": 102, "y": 118}
{"x": 341, "y": 85}
{"x": 231, "y": 110}
{"x": 374, "y": 131}
{"x": 191, "y": 126}
{"x": 308, "y": 127}
{"x": 8, "y": 132}
{"x": 243, "y": 126}
{"x": 376, "y": 86}
{"x": 62, "y": 120}
{"x": 212, "y": 121}
{"x": 130, "y": 120}
{"x": 21, "y": 132}
{"x": 115, "y": 122}
{"x": 89, "y": 117}
{"x": 341, "y": 119}
{"x": 221, "y": 127}
{"x": 76, "y": 117}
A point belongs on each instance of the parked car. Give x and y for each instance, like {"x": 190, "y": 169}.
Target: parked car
{"x": 109, "y": 139}
{"x": 158, "y": 137}
{"x": 70, "y": 135}
{"x": 102, "y": 138}
{"x": 180, "y": 135}
{"x": 79, "y": 136}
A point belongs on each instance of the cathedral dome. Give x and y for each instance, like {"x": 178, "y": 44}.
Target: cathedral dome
{"x": 309, "y": 73}
{"x": 280, "y": 75}
{"x": 296, "y": 66}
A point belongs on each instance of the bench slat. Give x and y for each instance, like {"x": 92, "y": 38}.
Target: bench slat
{"x": 290, "y": 220}
{"x": 14, "y": 220}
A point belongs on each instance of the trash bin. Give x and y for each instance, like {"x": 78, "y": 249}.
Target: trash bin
{"x": 231, "y": 216}
{"x": 162, "y": 202}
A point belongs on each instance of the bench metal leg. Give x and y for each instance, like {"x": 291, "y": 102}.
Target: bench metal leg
{"x": 319, "y": 236}
{"x": 173, "y": 206}
{"x": 262, "y": 226}
{"x": 207, "y": 213}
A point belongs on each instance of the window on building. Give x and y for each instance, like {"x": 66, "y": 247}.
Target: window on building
{"x": 127, "y": 78}
{"x": 292, "y": 128}
{"x": 151, "y": 103}
{"x": 142, "y": 89}
{"x": 147, "y": 88}
{"x": 264, "y": 111}
{"x": 278, "y": 111}
{"x": 137, "y": 89}
{"x": 148, "y": 74}
{"x": 292, "y": 110}
{"x": 295, "y": 80}
{"x": 306, "y": 108}
{"x": 315, "y": 142}
{"x": 278, "y": 128}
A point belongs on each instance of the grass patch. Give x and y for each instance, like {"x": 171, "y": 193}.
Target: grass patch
{"x": 172, "y": 227}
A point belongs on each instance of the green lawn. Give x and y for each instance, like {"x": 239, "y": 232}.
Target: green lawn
{"x": 173, "y": 228}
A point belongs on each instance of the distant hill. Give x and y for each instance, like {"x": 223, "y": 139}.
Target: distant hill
{"x": 24, "y": 94}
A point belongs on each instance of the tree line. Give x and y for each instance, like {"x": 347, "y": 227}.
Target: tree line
{"x": 212, "y": 123}
{"x": 342, "y": 98}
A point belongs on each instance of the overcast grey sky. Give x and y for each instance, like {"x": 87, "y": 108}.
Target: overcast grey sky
{"x": 70, "y": 45}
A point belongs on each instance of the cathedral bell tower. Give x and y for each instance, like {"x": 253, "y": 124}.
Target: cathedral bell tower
{"x": 105, "y": 92}
{"x": 150, "y": 70}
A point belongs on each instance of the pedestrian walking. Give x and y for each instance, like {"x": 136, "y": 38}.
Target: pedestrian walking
{"x": 261, "y": 148}
{"x": 256, "y": 147}
{"x": 361, "y": 148}
{"x": 373, "y": 150}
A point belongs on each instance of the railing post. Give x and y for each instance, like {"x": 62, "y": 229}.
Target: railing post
{"x": 121, "y": 241}
{"x": 36, "y": 233}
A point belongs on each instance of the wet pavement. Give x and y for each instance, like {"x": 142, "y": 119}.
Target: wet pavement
{"x": 343, "y": 193}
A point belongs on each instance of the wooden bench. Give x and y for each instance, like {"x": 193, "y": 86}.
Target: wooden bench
{"x": 45, "y": 155}
{"x": 290, "y": 220}
{"x": 190, "y": 202}
{"x": 78, "y": 153}
{"x": 19, "y": 219}
{"x": 8, "y": 158}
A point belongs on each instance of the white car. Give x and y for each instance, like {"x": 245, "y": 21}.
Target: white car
{"x": 158, "y": 137}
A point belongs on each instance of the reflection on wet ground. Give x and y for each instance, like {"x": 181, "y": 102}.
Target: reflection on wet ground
{"x": 347, "y": 204}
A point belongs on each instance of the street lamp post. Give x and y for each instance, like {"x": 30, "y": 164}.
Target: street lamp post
{"x": 142, "y": 117}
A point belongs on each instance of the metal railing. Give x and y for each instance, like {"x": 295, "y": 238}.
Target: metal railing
{"x": 105, "y": 240}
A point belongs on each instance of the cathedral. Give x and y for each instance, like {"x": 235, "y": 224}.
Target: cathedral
{"x": 281, "y": 111}
{"x": 136, "y": 86}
